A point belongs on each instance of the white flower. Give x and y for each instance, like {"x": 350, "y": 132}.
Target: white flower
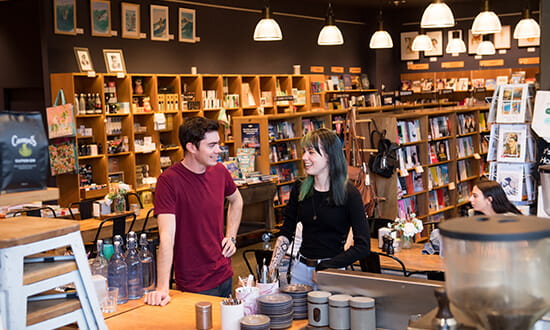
{"x": 409, "y": 229}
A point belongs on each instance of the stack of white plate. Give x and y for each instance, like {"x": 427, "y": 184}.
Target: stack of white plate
{"x": 298, "y": 292}
{"x": 278, "y": 307}
{"x": 255, "y": 322}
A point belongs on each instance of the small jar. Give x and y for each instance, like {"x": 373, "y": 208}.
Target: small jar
{"x": 317, "y": 308}
{"x": 339, "y": 315}
{"x": 362, "y": 313}
{"x": 203, "y": 315}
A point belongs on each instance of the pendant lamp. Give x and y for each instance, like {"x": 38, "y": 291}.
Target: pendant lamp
{"x": 437, "y": 15}
{"x": 330, "y": 34}
{"x": 486, "y": 47}
{"x": 486, "y": 21}
{"x": 267, "y": 28}
{"x": 422, "y": 42}
{"x": 456, "y": 45}
{"x": 381, "y": 38}
{"x": 527, "y": 27}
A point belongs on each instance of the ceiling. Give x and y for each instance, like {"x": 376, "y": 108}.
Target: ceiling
{"x": 385, "y": 4}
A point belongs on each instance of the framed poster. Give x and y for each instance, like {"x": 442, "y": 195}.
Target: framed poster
{"x": 83, "y": 59}
{"x": 159, "y": 23}
{"x": 100, "y": 11}
{"x": 501, "y": 40}
{"x": 64, "y": 16}
{"x": 114, "y": 60}
{"x": 529, "y": 42}
{"x": 473, "y": 41}
{"x": 130, "y": 20}
{"x": 437, "y": 43}
{"x": 186, "y": 25}
{"x": 407, "y": 53}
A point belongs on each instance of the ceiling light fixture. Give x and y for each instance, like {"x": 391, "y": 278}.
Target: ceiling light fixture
{"x": 456, "y": 45}
{"x": 437, "y": 15}
{"x": 422, "y": 42}
{"x": 527, "y": 27}
{"x": 330, "y": 34}
{"x": 381, "y": 38}
{"x": 486, "y": 47}
{"x": 486, "y": 21}
{"x": 267, "y": 28}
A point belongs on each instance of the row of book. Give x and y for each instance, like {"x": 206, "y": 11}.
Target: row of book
{"x": 311, "y": 124}
{"x": 440, "y": 127}
{"x": 465, "y": 146}
{"x": 344, "y": 82}
{"x": 283, "y": 151}
{"x": 463, "y": 84}
{"x": 278, "y": 130}
{"x": 439, "y": 199}
{"x": 465, "y": 170}
{"x": 439, "y": 151}
{"x": 282, "y": 194}
{"x": 409, "y": 184}
{"x": 408, "y": 131}
{"x": 285, "y": 172}
{"x": 466, "y": 123}
{"x": 438, "y": 176}
{"x": 408, "y": 157}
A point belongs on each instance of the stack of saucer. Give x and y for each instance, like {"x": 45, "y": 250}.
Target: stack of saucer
{"x": 279, "y": 309}
{"x": 298, "y": 292}
{"x": 255, "y": 322}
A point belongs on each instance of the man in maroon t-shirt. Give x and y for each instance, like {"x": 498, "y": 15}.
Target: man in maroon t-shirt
{"x": 189, "y": 204}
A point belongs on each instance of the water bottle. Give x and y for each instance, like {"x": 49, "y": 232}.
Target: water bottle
{"x": 129, "y": 235}
{"x": 135, "y": 282}
{"x": 147, "y": 265}
{"x": 100, "y": 264}
{"x": 119, "y": 239}
{"x": 118, "y": 274}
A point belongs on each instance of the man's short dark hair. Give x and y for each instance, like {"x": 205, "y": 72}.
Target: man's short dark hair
{"x": 194, "y": 129}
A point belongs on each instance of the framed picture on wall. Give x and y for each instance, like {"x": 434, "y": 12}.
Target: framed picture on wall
{"x": 83, "y": 59}
{"x": 473, "y": 41}
{"x": 502, "y": 39}
{"x": 437, "y": 43}
{"x": 186, "y": 25}
{"x": 529, "y": 42}
{"x": 100, "y": 11}
{"x": 159, "y": 23}
{"x": 114, "y": 60}
{"x": 64, "y": 16}
{"x": 130, "y": 20}
{"x": 407, "y": 53}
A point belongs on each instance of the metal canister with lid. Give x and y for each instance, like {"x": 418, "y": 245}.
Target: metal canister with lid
{"x": 203, "y": 315}
{"x": 362, "y": 313}
{"x": 317, "y": 308}
{"x": 339, "y": 315}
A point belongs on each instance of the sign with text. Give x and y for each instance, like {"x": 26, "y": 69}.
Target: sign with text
{"x": 529, "y": 60}
{"x": 354, "y": 69}
{"x": 337, "y": 69}
{"x": 499, "y": 62}
{"x": 453, "y": 64}
{"x": 317, "y": 69}
{"x": 418, "y": 66}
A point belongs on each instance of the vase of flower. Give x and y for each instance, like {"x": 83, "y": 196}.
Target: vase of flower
{"x": 119, "y": 204}
{"x": 116, "y": 196}
{"x": 406, "y": 242}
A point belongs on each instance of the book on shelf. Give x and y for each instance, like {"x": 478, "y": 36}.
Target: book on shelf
{"x": 365, "y": 82}
{"x": 284, "y": 193}
{"x": 299, "y": 96}
{"x": 418, "y": 184}
{"x": 517, "y": 77}
{"x": 478, "y": 83}
{"x": 440, "y": 84}
{"x": 248, "y": 97}
{"x": 347, "y": 82}
{"x": 484, "y": 143}
{"x": 501, "y": 80}
{"x": 285, "y": 172}
{"x": 280, "y": 130}
{"x": 493, "y": 142}
{"x": 283, "y": 151}
{"x": 267, "y": 98}
{"x": 438, "y": 175}
{"x": 466, "y": 123}
{"x": 465, "y": 146}
{"x": 442, "y": 150}
{"x": 406, "y": 85}
{"x": 439, "y": 127}
{"x": 432, "y": 201}
{"x": 490, "y": 84}
{"x": 483, "y": 120}
{"x": 416, "y": 86}
{"x": 462, "y": 85}
{"x": 406, "y": 206}
{"x": 433, "y": 153}
{"x": 464, "y": 169}
{"x": 451, "y": 83}
{"x": 463, "y": 192}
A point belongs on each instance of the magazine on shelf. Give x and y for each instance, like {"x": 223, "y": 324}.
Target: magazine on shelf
{"x": 530, "y": 181}
{"x": 493, "y": 141}
{"x": 466, "y": 123}
{"x": 490, "y": 84}
{"x": 414, "y": 130}
{"x": 462, "y": 85}
{"x": 512, "y": 144}
{"x": 512, "y": 104}
{"x": 510, "y": 177}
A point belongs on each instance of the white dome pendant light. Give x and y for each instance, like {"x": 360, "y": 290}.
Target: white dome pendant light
{"x": 267, "y": 28}
{"x": 381, "y": 38}
{"x": 527, "y": 27}
{"x": 486, "y": 21}
{"x": 486, "y": 47}
{"x": 330, "y": 34}
{"x": 422, "y": 42}
{"x": 437, "y": 15}
{"x": 456, "y": 45}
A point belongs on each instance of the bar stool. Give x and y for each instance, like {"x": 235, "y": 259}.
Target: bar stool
{"x": 25, "y": 236}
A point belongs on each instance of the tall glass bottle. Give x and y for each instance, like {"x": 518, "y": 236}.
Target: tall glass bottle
{"x": 119, "y": 239}
{"x": 135, "y": 282}
{"x": 100, "y": 264}
{"x": 147, "y": 264}
{"x": 118, "y": 274}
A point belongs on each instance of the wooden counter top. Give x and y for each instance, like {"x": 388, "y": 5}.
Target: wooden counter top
{"x": 413, "y": 259}
{"x": 178, "y": 314}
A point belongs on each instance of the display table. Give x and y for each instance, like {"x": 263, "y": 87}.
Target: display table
{"x": 178, "y": 314}
{"x": 413, "y": 259}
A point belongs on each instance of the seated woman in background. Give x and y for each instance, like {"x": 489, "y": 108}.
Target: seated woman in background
{"x": 328, "y": 205}
{"x": 489, "y": 198}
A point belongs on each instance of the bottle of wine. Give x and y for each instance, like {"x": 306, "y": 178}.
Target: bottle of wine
{"x": 147, "y": 264}
{"x": 135, "y": 281}
{"x": 118, "y": 274}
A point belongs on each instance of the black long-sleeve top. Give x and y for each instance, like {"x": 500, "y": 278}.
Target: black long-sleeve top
{"x": 326, "y": 226}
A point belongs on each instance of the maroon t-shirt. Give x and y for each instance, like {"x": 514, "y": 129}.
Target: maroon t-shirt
{"x": 197, "y": 200}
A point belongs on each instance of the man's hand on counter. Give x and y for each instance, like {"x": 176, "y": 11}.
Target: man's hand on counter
{"x": 157, "y": 298}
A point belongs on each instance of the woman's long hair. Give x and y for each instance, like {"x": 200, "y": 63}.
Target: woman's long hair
{"x": 325, "y": 141}
{"x": 500, "y": 202}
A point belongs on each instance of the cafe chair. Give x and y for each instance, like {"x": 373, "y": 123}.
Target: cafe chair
{"x": 259, "y": 256}
{"x": 371, "y": 263}
{"x": 119, "y": 228}
{"x": 32, "y": 212}
{"x": 127, "y": 198}
{"x": 84, "y": 209}
{"x": 377, "y": 223}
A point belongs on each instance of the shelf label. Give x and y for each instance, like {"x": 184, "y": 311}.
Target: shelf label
{"x": 453, "y": 64}
{"x": 446, "y": 91}
{"x": 120, "y": 75}
{"x": 317, "y": 69}
{"x": 79, "y": 31}
{"x": 452, "y": 186}
{"x": 433, "y": 59}
{"x": 502, "y": 51}
{"x": 531, "y": 49}
{"x": 143, "y": 35}
{"x": 403, "y": 172}
{"x": 337, "y": 69}
{"x": 354, "y": 69}
{"x": 284, "y": 98}
{"x": 91, "y": 74}
{"x": 405, "y": 93}
{"x": 480, "y": 90}
{"x": 114, "y": 33}
{"x": 499, "y": 62}
{"x": 529, "y": 60}
{"x": 418, "y": 66}
{"x": 477, "y": 156}
{"x": 419, "y": 169}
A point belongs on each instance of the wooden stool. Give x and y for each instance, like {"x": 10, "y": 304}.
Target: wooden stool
{"x": 24, "y": 236}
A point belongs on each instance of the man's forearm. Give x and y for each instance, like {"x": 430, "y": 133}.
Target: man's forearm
{"x": 234, "y": 214}
{"x": 164, "y": 265}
